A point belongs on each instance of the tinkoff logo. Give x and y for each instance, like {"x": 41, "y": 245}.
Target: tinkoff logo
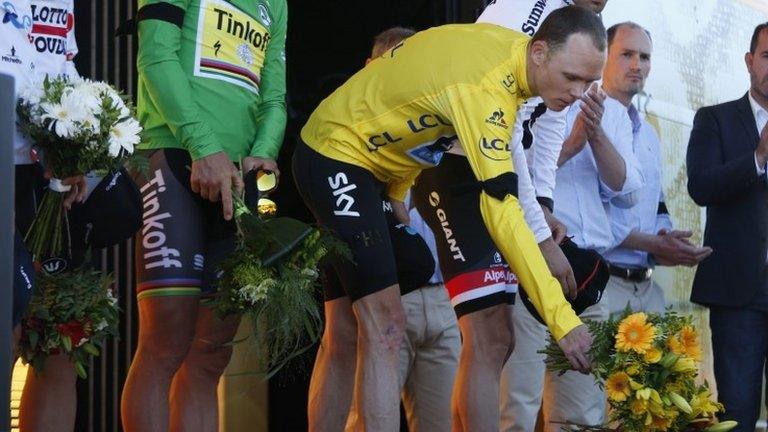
{"x": 497, "y": 119}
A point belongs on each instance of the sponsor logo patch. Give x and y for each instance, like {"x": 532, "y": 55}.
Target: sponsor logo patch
{"x": 231, "y": 45}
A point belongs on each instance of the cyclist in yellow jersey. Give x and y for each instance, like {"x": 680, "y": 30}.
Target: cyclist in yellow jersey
{"x": 398, "y": 116}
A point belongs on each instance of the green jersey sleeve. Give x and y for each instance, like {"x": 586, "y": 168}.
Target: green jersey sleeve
{"x": 167, "y": 85}
{"x": 271, "y": 114}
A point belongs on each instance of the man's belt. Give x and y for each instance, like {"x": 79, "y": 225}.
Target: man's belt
{"x": 631, "y": 274}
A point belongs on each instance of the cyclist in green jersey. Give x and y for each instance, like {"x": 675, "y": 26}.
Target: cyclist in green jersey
{"x": 211, "y": 94}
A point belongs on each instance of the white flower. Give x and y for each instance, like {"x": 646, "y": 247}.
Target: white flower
{"x": 61, "y": 116}
{"x": 310, "y": 273}
{"x": 124, "y": 135}
{"x": 87, "y": 95}
{"x": 253, "y": 294}
{"x": 101, "y": 325}
{"x": 82, "y": 341}
{"x": 85, "y": 108}
{"x": 111, "y": 297}
{"x": 119, "y": 104}
{"x": 32, "y": 91}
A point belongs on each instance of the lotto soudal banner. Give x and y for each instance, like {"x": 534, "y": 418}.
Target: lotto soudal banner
{"x": 53, "y": 34}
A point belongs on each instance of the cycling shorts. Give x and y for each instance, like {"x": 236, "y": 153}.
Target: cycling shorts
{"x": 183, "y": 237}
{"x": 476, "y": 275}
{"x": 346, "y": 199}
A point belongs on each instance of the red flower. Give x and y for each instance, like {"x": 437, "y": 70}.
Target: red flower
{"x": 75, "y": 330}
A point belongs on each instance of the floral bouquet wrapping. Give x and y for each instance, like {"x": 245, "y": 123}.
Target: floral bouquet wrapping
{"x": 79, "y": 126}
{"x": 648, "y": 366}
{"x": 272, "y": 277}
{"x": 72, "y": 313}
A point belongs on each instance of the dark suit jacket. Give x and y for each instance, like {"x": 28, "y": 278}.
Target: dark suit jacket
{"x": 722, "y": 176}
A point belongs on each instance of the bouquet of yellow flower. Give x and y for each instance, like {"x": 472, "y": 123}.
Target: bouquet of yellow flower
{"x": 648, "y": 366}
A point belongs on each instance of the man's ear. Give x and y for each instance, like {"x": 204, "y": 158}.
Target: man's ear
{"x": 539, "y": 52}
{"x": 748, "y": 58}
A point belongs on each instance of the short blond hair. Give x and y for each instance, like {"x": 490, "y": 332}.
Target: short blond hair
{"x": 389, "y": 38}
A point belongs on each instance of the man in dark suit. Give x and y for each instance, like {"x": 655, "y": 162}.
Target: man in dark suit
{"x": 727, "y": 156}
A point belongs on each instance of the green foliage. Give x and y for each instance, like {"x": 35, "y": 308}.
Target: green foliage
{"x": 73, "y": 313}
{"x": 272, "y": 277}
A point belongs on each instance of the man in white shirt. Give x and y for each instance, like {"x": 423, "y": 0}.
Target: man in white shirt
{"x": 645, "y": 230}
{"x": 598, "y": 169}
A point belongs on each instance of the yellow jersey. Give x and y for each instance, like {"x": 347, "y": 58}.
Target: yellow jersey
{"x": 401, "y": 112}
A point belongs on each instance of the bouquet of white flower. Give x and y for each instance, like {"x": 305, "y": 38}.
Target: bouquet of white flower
{"x": 79, "y": 126}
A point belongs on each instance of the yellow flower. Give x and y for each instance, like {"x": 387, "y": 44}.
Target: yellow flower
{"x": 660, "y": 423}
{"x": 639, "y": 407}
{"x": 652, "y": 355}
{"x": 684, "y": 364}
{"x": 635, "y": 334}
{"x": 690, "y": 341}
{"x": 632, "y": 369}
{"x": 703, "y": 405}
{"x": 644, "y": 394}
{"x": 676, "y": 386}
{"x": 617, "y": 387}
{"x": 685, "y": 343}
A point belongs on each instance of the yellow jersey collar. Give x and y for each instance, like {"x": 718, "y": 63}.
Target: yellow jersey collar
{"x": 520, "y": 69}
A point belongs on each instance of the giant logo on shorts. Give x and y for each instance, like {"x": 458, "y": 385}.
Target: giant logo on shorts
{"x": 495, "y": 149}
{"x": 442, "y": 217}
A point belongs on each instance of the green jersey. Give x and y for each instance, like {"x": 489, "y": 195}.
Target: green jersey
{"x": 212, "y": 76}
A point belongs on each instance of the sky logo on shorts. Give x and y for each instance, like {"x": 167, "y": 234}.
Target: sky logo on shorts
{"x": 340, "y": 186}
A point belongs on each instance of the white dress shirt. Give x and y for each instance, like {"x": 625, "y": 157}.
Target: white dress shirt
{"x": 421, "y": 227}
{"x": 648, "y": 216}
{"x": 761, "y": 118}
{"x": 581, "y": 197}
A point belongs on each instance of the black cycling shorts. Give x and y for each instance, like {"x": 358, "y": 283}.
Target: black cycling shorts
{"x": 475, "y": 273}
{"x": 413, "y": 259}
{"x": 347, "y": 200}
{"x": 23, "y": 278}
{"x": 30, "y": 187}
{"x": 183, "y": 237}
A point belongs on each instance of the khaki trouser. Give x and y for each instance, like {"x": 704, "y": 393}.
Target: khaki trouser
{"x": 646, "y": 296}
{"x": 429, "y": 357}
{"x": 571, "y": 397}
{"x": 523, "y": 374}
